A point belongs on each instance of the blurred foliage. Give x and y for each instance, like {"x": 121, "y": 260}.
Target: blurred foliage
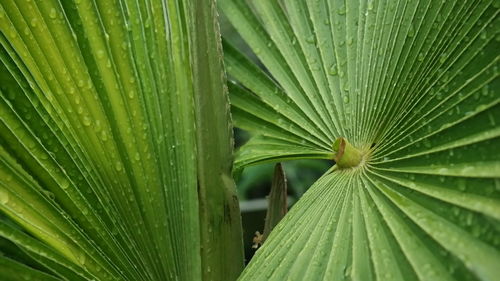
{"x": 255, "y": 181}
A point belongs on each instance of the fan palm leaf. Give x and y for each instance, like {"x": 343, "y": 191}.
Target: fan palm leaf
{"x": 412, "y": 87}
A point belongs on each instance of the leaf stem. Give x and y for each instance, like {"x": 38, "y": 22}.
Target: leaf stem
{"x": 347, "y": 156}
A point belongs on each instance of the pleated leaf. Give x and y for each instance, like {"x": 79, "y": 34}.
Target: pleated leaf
{"x": 100, "y": 151}
{"x": 414, "y": 86}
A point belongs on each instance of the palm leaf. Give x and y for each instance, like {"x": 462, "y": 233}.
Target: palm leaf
{"x": 100, "y": 157}
{"x": 413, "y": 85}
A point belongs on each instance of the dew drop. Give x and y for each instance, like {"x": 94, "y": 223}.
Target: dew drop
{"x": 100, "y": 54}
{"x": 442, "y": 58}
{"x": 4, "y": 196}
{"x": 483, "y": 35}
{"x": 347, "y": 271}
{"x": 341, "y": 10}
{"x": 370, "y": 5}
{"x": 52, "y": 13}
{"x": 411, "y": 31}
{"x": 118, "y": 166}
{"x": 86, "y": 121}
{"x": 82, "y": 258}
{"x": 310, "y": 39}
{"x": 64, "y": 184}
{"x": 104, "y": 136}
{"x": 333, "y": 69}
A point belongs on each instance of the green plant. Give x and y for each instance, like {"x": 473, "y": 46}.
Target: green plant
{"x": 116, "y": 141}
{"x": 413, "y": 86}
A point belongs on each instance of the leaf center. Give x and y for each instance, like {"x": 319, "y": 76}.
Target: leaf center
{"x": 346, "y": 155}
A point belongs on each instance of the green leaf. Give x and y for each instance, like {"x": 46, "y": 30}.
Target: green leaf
{"x": 277, "y": 203}
{"x": 105, "y": 173}
{"x": 413, "y": 87}
{"x": 11, "y": 270}
{"x": 220, "y": 218}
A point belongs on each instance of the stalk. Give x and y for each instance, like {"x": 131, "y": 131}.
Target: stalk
{"x": 220, "y": 219}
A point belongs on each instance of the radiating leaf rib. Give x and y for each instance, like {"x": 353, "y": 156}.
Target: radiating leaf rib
{"x": 250, "y": 76}
{"x": 339, "y": 253}
{"x": 270, "y": 149}
{"x": 11, "y": 270}
{"x": 247, "y": 121}
{"x": 18, "y": 191}
{"x": 45, "y": 159}
{"x": 310, "y": 247}
{"x": 376, "y": 11}
{"x": 295, "y": 240}
{"x": 384, "y": 260}
{"x": 476, "y": 255}
{"x": 469, "y": 68}
{"x": 276, "y": 24}
{"x": 473, "y": 160}
{"x": 310, "y": 32}
{"x": 426, "y": 31}
{"x": 351, "y": 39}
{"x": 470, "y": 129}
{"x": 361, "y": 267}
{"x": 472, "y": 169}
{"x": 85, "y": 123}
{"x": 453, "y": 193}
{"x": 425, "y": 264}
{"x": 246, "y": 103}
{"x": 400, "y": 24}
{"x": 43, "y": 254}
{"x": 248, "y": 25}
{"x": 415, "y": 89}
